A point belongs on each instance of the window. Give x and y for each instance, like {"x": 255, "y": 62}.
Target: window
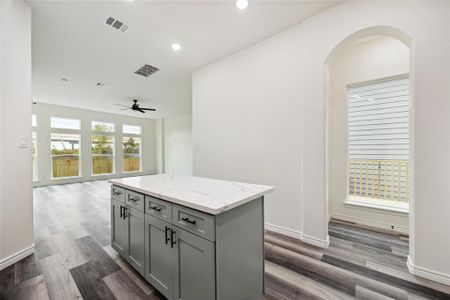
{"x": 378, "y": 137}
{"x": 102, "y": 148}
{"x": 131, "y": 154}
{"x": 132, "y": 148}
{"x": 102, "y": 126}
{"x": 63, "y": 123}
{"x": 131, "y": 129}
{"x": 34, "y": 155}
{"x": 65, "y": 152}
{"x": 34, "y": 146}
{"x": 33, "y": 120}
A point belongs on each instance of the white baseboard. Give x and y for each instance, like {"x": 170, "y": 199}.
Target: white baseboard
{"x": 316, "y": 242}
{"x": 4, "y": 263}
{"x": 381, "y": 225}
{"x": 299, "y": 235}
{"x": 427, "y": 273}
{"x": 283, "y": 230}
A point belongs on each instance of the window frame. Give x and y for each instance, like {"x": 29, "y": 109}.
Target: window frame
{"x": 34, "y": 156}
{"x": 131, "y": 133}
{"x": 396, "y": 204}
{"x": 64, "y": 128}
{"x": 136, "y": 155}
{"x": 67, "y": 132}
{"x": 104, "y": 122}
{"x": 113, "y": 155}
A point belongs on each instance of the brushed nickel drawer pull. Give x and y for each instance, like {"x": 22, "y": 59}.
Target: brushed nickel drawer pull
{"x": 117, "y": 193}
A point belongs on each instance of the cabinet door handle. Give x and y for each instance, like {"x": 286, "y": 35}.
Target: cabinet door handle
{"x": 158, "y": 209}
{"x": 121, "y": 211}
{"x": 173, "y": 242}
{"x": 167, "y": 233}
{"x": 125, "y": 212}
{"x": 193, "y": 222}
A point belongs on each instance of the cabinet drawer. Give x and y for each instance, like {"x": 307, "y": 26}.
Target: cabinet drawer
{"x": 158, "y": 208}
{"x": 135, "y": 200}
{"x": 197, "y": 222}
{"x": 118, "y": 193}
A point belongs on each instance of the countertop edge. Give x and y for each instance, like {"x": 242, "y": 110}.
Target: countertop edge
{"x": 190, "y": 204}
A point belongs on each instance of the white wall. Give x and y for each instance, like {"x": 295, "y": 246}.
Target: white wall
{"x": 178, "y": 144}
{"x": 16, "y": 217}
{"x": 45, "y": 111}
{"x": 259, "y": 116}
{"x": 375, "y": 58}
{"x": 159, "y": 135}
{"x": 246, "y": 123}
{"x": 430, "y": 57}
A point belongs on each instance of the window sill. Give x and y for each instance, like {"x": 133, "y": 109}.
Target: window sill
{"x": 103, "y": 174}
{"x": 62, "y": 178}
{"x": 380, "y": 204}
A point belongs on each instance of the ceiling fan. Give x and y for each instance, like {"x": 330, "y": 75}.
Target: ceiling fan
{"x": 136, "y": 107}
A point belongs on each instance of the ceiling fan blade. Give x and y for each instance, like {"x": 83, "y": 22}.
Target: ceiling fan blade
{"x": 121, "y": 105}
{"x": 145, "y": 108}
{"x": 142, "y": 111}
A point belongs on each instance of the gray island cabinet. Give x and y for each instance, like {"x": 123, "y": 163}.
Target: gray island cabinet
{"x": 192, "y": 238}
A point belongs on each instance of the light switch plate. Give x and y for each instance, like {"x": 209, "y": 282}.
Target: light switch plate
{"x": 23, "y": 142}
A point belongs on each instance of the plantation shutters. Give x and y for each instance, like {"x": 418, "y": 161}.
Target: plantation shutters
{"x": 378, "y": 138}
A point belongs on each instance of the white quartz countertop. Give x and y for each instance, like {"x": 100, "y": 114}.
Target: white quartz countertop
{"x": 212, "y": 196}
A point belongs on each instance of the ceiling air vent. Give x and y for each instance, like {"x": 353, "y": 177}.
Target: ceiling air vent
{"x": 147, "y": 70}
{"x": 119, "y": 25}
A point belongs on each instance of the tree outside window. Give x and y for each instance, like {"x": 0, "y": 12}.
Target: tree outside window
{"x": 102, "y": 148}
{"x": 131, "y": 154}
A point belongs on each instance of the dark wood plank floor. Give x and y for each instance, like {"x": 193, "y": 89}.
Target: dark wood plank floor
{"x": 74, "y": 260}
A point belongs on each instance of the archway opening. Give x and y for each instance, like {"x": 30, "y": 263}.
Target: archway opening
{"x": 369, "y": 140}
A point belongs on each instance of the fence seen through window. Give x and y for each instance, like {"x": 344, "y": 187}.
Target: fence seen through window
{"x": 102, "y": 148}
{"x": 65, "y": 152}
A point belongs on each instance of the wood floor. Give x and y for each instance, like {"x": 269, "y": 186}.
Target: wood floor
{"x": 74, "y": 260}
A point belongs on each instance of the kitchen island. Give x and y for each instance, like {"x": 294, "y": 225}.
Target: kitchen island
{"x": 192, "y": 238}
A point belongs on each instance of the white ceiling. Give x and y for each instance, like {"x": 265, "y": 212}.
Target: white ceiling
{"x": 71, "y": 40}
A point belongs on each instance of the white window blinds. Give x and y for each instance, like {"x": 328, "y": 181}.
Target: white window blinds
{"x": 378, "y": 139}
{"x": 378, "y": 115}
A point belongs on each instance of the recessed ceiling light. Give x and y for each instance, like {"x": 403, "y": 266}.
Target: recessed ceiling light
{"x": 242, "y": 4}
{"x": 175, "y": 46}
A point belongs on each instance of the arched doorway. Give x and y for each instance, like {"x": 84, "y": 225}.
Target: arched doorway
{"x": 382, "y": 174}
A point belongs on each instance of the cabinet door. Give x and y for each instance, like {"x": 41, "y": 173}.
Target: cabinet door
{"x": 194, "y": 268}
{"x": 136, "y": 246}
{"x": 119, "y": 227}
{"x": 159, "y": 255}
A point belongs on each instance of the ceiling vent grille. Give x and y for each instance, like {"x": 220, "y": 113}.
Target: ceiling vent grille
{"x": 119, "y": 25}
{"x": 147, "y": 70}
